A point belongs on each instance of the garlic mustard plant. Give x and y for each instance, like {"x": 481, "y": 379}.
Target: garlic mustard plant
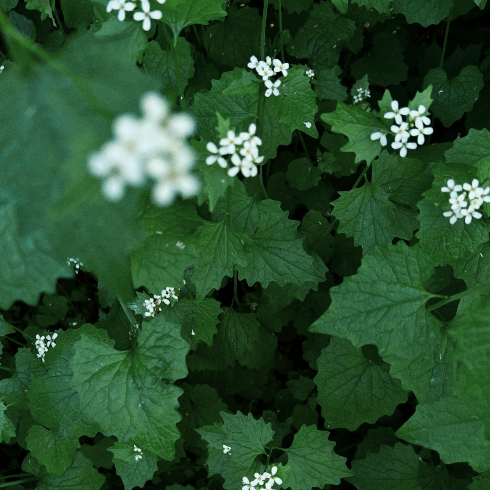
{"x": 460, "y": 206}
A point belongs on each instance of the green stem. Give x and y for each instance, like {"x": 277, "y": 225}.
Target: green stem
{"x": 6, "y": 368}
{"x": 15, "y": 341}
{"x": 363, "y": 174}
{"x": 14, "y": 38}
{"x": 128, "y": 312}
{"x": 204, "y": 40}
{"x": 17, "y": 482}
{"x": 177, "y": 67}
{"x": 450, "y": 299}
{"x": 60, "y": 25}
{"x": 25, "y": 335}
{"x": 280, "y": 28}
{"x": 445, "y": 40}
{"x": 303, "y": 145}
{"x": 3, "y": 477}
{"x": 259, "y": 122}
{"x": 235, "y": 288}
{"x": 262, "y": 33}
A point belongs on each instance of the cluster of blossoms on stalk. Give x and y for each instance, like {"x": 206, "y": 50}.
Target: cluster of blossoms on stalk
{"x": 138, "y": 452}
{"x": 267, "y": 69}
{"x": 460, "y": 207}
{"x": 167, "y": 297}
{"x": 43, "y": 343}
{"x": 153, "y": 147}
{"x": 145, "y": 15}
{"x": 361, "y": 95}
{"x": 264, "y": 481}
{"x": 76, "y": 262}
{"x": 310, "y": 73}
{"x": 417, "y": 125}
{"x": 243, "y": 149}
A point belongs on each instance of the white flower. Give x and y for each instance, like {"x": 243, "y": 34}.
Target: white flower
{"x": 279, "y": 66}
{"x": 401, "y": 133}
{"x": 260, "y": 479}
{"x": 161, "y": 2}
{"x": 249, "y": 151}
{"x": 307, "y": 124}
{"x": 273, "y": 479}
{"x": 470, "y": 213}
{"x": 453, "y": 215}
{"x": 2, "y": 68}
{"x": 246, "y": 484}
{"x": 254, "y": 62}
{"x": 76, "y": 262}
{"x": 397, "y": 113}
{"x": 474, "y": 188}
{"x": 268, "y": 60}
{"x": 139, "y": 454}
{"x": 247, "y": 167}
{"x": 122, "y": 5}
{"x": 452, "y": 187}
{"x": 402, "y": 146}
{"x": 272, "y": 88}
{"x": 42, "y": 346}
{"x": 264, "y": 70}
{"x": 379, "y": 135}
{"x": 419, "y": 115}
{"x": 458, "y": 202}
{"x": 146, "y": 15}
{"x": 250, "y": 135}
{"x": 310, "y": 73}
{"x": 216, "y": 157}
{"x": 420, "y": 131}
{"x": 226, "y": 449}
{"x": 229, "y": 143}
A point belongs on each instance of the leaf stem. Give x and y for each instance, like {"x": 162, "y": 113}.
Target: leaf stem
{"x": 128, "y": 312}
{"x": 22, "y": 332}
{"x": 445, "y": 40}
{"x": 17, "y": 482}
{"x": 262, "y": 33}
{"x": 60, "y": 25}
{"x": 450, "y": 299}
{"x": 303, "y": 145}
{"x": 15, "y": 341}
{"x": 363, "y": 174}
{"x": 3, "y": 477}
{"x": 235, "y": 288}
{"x": 280, "y": 28}
{"x": 6, "y": 368}
{"x": 177, "y": 67}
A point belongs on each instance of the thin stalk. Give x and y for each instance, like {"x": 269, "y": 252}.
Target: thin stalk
{"x": 303, "y": 145}
{"x": 445, "y": 40}
{"x": 177, "y": 67}
{"x": 204, "y": 40}
{"x": 128, "y": 312}
{"x": 15, "y": 37}
{"x": 196, "y": 34}
{"x": 25, "y": 335}
{"x": 450, "y": 299}
{"x": 235, "y": 288}
{"x": 280, "y": 28}
{"x": 60, "y": 25}
{"x": 17, "y": 482}
{"x": 259, "y": 121}
{"x": 15, "y": 341}
{"x": 3, "y": 477}
{"x": 363, "y": 174}
{"x": 6, "y": 368}
{"x": 262, "y": 33}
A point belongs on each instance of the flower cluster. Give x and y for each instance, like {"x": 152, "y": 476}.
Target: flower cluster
{"x": 310, "y": 73}
{"x": 145, "y": 16}
{"x": 361, "y": 95}
{"x": 244, "y": 151}
{"x": 167, "y": 297}
{"x": 42, "y": 346}
{"x": 459, "y": 205}
{"x": 154, "y": 147}
{"x": 226, "y": 449}
{"x": 76, "y": 262}
{"x": 417, "y": 124}
{"x": 269, "y": 68}
{"x": 138, "y": 452}
{"x": 260, "y": 481}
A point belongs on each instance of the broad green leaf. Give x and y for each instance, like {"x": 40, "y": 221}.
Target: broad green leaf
{"x": 335, "y": 161}
{"x": 163, "y": 65}
{"x": 357, "y": 125}
{"x": 247, "y": 438}
{"x": 355, "y": 387}
{"x": 384, "y": 63}
{"x": 54, "y": 451}
{"x": 318, "y": 235}
{"x": 424, "y": 12}
{"x": 23, "y": 25}
{"x": 342, "y": 5}
{"x": 133, "y": 472}
{"x": 382, "y": 6}
{"x": 77, "y": 14}
{"x": 365, "y": 213}
{"x": 240, "y": 338}
{"x": 182, "y": 13}
{"x": 446, "y": 425}
{"x": 28, "y": 265}
{"x": 313, "y": 461}
{"x": 440, "y": 240}
{"x": 131, "y": 394}
{"x": 302, "y": 174}
{"x": 384, "y": 304}
{"x": 301, "y": 387}
{"x": 399, "y": 468}
{"x": 98, "y": 452}
{"x": 473, "y": 149}
{"x": 80, "y": 476}
{"x": 294, "y": 107}
{"x": 169, "y": 247}
{"x": 453, "y": 96}
{"x": 329, "y": 86}
{"x": 7, "y": 428}
{"x": 374, "y": 439}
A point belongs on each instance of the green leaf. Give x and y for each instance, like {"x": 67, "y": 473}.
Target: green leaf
{"x": 54, "y": 451}
{"x": 481, "y": 4}
{"x": 131, "y": 394}
{"x": 454, "y": 96}
{"x": 240, "y": 338}
{"x": 301, "y": 387}
{"x": 247, "y": 438}
{"x": 480, "y": 482}
{"x": 357, "y": 125}
{"x": 163, "y": 65}
{"x": 80, "y": 476}
{"x": 355, "y": 387}
{"x": 424, "y": 12}
{"x": 342, "y": 5}
{"x": 313, "y": 461}
{"x": 384, "y": 304}
{"x": 384, "y": 64}
{"x": 43, "y": 6}
{"x": 291, "y": 110}
{"x": 8, "y": 4}
{"x": 329, "y": 86}
{"x": 77, "y": 14}
{"x": 183, "y": 13}
{"x": 133, "y": 472}
{"x": 302, "y": 174}
{"x": 7, "y": 428}
{"x": 399, "y": 467}
{"x": 382, "y": 6}
{"x": 440, "y": 240}
{"x": 444, "y": 426}
{"x": 169, "y": 247}
{"x": 318, "y": 235}
{"x": 23, "y": 25}
{"x": 365, "y": 213}
{"x": 472, "y": 149}
{"x": 98, "y": 452}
